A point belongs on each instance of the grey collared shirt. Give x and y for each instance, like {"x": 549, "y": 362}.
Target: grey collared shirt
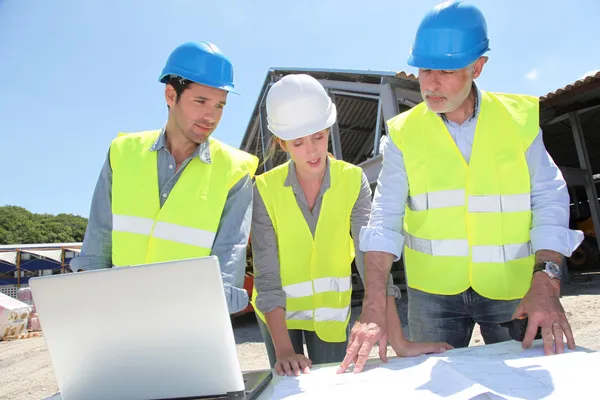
{"x": 230, "y": 240}
{"x": 267, "y": 277}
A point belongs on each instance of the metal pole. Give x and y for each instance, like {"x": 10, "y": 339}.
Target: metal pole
{"x": 389, "y": 103}
{"x": 264, "y": 132}
{"x": 360, "y": 87}
{"x": 352, "y": 94}
{"x": 584, "y": 162}
{"x": 336, "y": 141}
{"x": 567, "y": 116}
{"x": 62, "y": 261}
{"x": 264, "y": 137}
{"x": 18, "y": 268}
{"x": 377, "y": 130}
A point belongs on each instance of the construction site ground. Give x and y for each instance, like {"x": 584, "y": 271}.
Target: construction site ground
{"x": 26, "y": 370}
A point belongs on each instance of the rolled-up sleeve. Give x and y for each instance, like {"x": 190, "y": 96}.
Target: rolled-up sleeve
{"x": 267, "y": 276}
{"x": 96, "y": 250}
{"x": 549, "y": 203}
{"x": 384, "y": 230}
{"x": 231, "y": 243}
{"x": 360, "y": 219}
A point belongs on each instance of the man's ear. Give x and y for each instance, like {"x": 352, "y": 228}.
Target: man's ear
{"x": 478, "y": 66}
{"x": 170, "y": 95}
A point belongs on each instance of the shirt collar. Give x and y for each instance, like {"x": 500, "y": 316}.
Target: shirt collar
{"x": 476, "y": 106}
{"x": 202, "y": 151}
{"x": 292, "y": 178}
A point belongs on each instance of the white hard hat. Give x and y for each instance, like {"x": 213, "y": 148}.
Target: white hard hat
{"x": 298, "y": 106}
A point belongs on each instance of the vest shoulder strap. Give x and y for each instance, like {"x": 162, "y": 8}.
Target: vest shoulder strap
{"x": 125, "y": 143}
{"x": 522, "y": 110}
{"x": 275, "y": 177}
{"x": 345, "y": 170}
{"x": 237, "y": 159}
{"x": 397, "y": 124}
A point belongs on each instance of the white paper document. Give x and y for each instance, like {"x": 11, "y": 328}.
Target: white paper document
{"x": 502, "y": 371}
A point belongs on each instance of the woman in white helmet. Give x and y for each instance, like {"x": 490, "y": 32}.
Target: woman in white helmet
{"x": 304, "y": 212}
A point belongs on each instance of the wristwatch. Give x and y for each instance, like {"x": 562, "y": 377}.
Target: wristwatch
{"x": 552, "y": 269}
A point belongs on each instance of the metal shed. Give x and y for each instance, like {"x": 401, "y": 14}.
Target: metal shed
{"x": 569, "y": 118}
{"x": 364, "y": 99}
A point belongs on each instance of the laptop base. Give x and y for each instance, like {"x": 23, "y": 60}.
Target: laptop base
{"x": 255, "y": 382}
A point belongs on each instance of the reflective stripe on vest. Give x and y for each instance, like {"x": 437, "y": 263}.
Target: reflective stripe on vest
{"x": 163, "y": 230}
{"x": 456, "y": 198}
{"x": 327, "y": 284}
{"x": 460, "y": 248}
{"x": 315, "y": 272}
{"x": 468, "y": 224}
{"x": 186, "y": 224}
{"x": 322, "y": 314}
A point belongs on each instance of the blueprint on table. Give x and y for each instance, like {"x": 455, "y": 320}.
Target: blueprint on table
{"x": 502, "y": 371}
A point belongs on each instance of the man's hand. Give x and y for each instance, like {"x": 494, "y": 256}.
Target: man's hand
{"x": 406, "y": 348}
{"x": 368, "y": 330}
{"x": 542, "y": 306}
{"x": 402, "y": 346}
{"x": 371, "y": 326}
{"x": 291, "y": 364}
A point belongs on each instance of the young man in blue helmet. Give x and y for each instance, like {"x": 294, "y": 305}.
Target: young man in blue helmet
{"x": 471, "y": 198}
{"x": 177, "y": 193}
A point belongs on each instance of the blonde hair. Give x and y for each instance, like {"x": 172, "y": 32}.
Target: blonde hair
{"x": 272, "y": 147}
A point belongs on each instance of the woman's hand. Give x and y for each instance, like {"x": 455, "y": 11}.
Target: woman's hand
{"x": 290, "y": 363}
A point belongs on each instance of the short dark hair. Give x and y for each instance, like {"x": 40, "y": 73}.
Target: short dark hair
{"x": 179, "y": 84}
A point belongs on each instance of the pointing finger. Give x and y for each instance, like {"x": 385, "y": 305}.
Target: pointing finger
{"x": 363, "y": 355}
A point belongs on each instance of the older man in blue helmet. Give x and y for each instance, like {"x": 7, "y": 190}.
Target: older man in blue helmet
{"x": 470, "y": 198}
{"x": 176, "y": 192}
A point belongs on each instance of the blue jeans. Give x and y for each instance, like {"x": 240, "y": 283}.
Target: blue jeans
{"x": 451, "y": 319}
{"x": 319, "y": 352}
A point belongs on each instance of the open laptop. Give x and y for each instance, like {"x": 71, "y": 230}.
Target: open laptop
{"x": 154, "y": 331}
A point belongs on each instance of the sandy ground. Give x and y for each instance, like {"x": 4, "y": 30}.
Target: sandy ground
{"x": 26, "y": 371}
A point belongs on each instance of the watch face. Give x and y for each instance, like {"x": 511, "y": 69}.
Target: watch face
{"x": 553, "y": 269}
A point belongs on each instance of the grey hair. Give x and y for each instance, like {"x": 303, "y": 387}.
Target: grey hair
{"x": 471, "y": 67}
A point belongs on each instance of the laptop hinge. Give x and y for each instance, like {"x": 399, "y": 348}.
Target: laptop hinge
{"x": 236, "y": 395}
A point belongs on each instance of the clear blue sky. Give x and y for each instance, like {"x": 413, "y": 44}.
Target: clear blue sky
{"x": 74, "y": 73}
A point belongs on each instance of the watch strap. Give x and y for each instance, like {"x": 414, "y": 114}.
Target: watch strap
{"x": 540, "y": 266}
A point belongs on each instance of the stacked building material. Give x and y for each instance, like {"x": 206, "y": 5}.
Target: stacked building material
{"x": 14, "y": 317}
{"x": 24, "y": 295}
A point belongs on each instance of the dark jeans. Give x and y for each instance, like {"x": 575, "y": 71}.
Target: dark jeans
{"x": 319, "y": 352}
{"x": 451, "y": 319}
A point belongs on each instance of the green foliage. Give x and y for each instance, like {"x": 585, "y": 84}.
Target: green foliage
{"x": 20, "y": 226}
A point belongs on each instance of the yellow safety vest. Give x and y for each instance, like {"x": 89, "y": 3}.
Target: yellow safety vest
{"x": 468, "y": 225}
{"x": 186, "y": 225}
{"x": 315, "y": 272}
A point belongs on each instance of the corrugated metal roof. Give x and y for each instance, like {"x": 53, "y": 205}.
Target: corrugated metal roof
{"x": 357, "y": 72}
{"x": 404, "y": 75}
{"x": 588, "y": 79}
{"x": 356, "y": 115}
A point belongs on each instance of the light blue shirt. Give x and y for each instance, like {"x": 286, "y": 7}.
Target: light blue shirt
{"x": 230, "y": 240}
{"x": 549, "y": 196}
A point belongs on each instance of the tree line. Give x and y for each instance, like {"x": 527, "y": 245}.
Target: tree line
{"x": 20, "y": 226}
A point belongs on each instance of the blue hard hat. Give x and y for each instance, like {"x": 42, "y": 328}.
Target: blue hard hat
{"x": 451, "y": 36}
{"x": 200, "y": 62}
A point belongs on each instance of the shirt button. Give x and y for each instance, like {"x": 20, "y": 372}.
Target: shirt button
{"x": 164, "y": 195}
{"x": 170, "y": 166}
